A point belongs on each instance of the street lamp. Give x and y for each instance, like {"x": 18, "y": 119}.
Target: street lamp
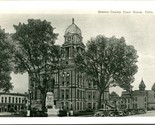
{"x": 30, "y": 101}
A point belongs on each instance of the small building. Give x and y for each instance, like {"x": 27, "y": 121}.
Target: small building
{"x": 150, "y": 100}
{"x": 10, "y": 102}
{"x": 138, "y": 99}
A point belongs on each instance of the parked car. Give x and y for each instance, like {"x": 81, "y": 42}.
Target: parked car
{"x": 62, "y": 113}
{"x": 109, "y": 112}
{"x": 38, "y": 113}
{"x": 103, "y": 113}
{"x": 87, "y": 112}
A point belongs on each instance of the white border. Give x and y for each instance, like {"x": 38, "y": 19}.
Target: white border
{"x": 74, "y": 7}
{"x": 71, "y": 7}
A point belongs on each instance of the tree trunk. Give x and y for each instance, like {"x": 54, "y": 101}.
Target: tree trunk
{"x": 104, "y": 100}
{"x": 99, "y": 100}
{"x": 44, "y": 102}
{"x": 44, "y": 93}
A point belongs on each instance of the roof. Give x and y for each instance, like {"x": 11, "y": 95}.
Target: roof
{"x": 136, "y": 92}
{"x": 73, "y": 29}
{"x": 15, "y": 94}
{"x": 142, "y": 84}
{"x": 153, "y": 87}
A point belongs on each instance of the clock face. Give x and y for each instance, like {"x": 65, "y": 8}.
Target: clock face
{"x": 68, "y": 39}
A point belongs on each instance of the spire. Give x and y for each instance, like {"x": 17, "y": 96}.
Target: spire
{"x": 153, "y": 87}
{"x": 72, "y": 20}
{"x": 142, "y": 85}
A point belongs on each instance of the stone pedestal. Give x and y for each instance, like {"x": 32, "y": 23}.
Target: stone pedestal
{"x": 51, "y": 110}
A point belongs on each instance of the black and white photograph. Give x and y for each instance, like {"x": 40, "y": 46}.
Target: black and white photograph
{"x": 76, "y": 62}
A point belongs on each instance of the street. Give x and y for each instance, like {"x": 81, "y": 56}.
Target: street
{"x": 149, "y": 113}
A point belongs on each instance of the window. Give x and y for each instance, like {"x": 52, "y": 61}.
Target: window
{"x": 81, "y": 107}
{"x": 135, "y": 105}
{"x": 67, "y": 83}
{"x": 77, "y": 94}
{"x": 77, "y": 105}
{"x": 35, "y": 95}
{"x": 89, "y": 85}
{"x": 81, "y": 94}
{"x": 84, "y": 105}
{"x": 12, "y": 99}
{"x": 83, "y": 81}
{"x": 63, "y": 83}
{"x": 89, "y": 96}
{"x": 16, "y": 99}
{"x": 67, "y": 52}
{"x": 89, "y": 105}
{"x": 128, "y": 106}
{"x": 94, "y": 106}
{"x": 19, "y": 100}
{"x": 67, "y": 105}
{"x": 9, "y": 99}
{"x": 62, "y": 105}
{"x": 94, "y": 95}
{"x": 2, "y": 99}
{"x": 62, "y": 94}
{"x": 67, "y": 94}
{"x": 145, "y": 99}
{"x": 78, "y": 79}
{"x": 5, "y": 99}
{"x": 67, "y": 78}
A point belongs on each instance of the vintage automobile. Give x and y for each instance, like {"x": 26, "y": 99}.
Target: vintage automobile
{"x": 108, "y": 112}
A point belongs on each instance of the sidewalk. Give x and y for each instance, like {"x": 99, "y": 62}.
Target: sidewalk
{"x": 5, "y": 113}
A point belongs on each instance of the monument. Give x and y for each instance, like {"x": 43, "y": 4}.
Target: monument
{"x": 51, "y": 110}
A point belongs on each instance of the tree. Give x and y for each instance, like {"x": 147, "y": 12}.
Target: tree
{"x": 5, "y": 62}
{"x": 36, "y": 53}
{"x": 153, "y": 87}
{"x": 109, "y": 62}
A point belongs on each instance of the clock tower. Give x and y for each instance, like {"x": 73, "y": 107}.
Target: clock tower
{"x": 73, "y": 42}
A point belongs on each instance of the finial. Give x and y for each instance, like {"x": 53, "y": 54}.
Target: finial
{"x": 72, "y": 20}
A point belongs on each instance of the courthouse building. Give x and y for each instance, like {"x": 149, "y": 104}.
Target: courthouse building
{"x": 72, "y": 89}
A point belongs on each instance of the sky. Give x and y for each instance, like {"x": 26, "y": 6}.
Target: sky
{"x": 138, "y": 30}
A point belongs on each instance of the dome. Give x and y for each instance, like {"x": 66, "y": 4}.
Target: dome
{"x": 73, "y": 29}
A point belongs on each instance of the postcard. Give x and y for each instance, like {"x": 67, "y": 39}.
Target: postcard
{"x": 77, "y": 62}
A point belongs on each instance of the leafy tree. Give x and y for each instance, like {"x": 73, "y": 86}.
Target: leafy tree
{"x": 36, "y": 53}
{"x": 109, "y": 62}
{"x": 5, "y": 62}
{"x": 153, "y": 87}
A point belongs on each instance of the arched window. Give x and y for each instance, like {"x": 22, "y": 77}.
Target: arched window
{"x": 67, "y": 94}
{"x": 77, "y": 94}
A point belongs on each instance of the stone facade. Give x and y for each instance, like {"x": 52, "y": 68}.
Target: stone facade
{"x": 10, "y": 102}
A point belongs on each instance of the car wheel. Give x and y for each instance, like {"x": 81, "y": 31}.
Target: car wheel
{"x": 102, "y": 115}
{"x": 112, "y": 114}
